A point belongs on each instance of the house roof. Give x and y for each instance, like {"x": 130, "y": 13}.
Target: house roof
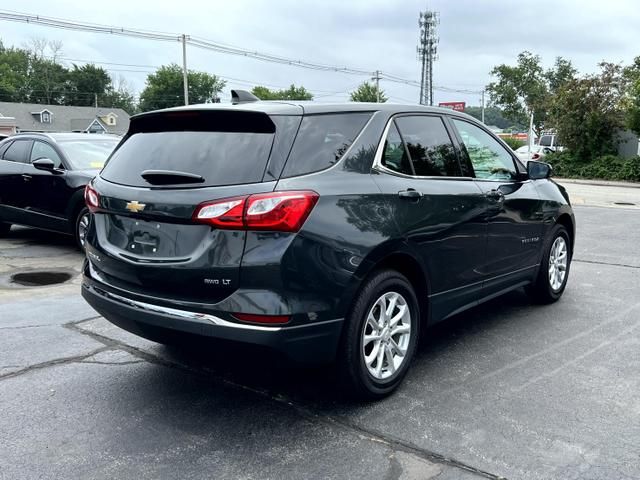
{"x": 64, "y": 118}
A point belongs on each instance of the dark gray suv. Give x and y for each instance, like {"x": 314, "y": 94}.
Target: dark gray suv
{"x": 328, "y": 232}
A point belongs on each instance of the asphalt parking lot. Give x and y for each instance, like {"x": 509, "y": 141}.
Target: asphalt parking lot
{"x": 507, "y": 390}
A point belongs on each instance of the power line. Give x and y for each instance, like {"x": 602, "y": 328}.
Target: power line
{"x": 173, "y": 37}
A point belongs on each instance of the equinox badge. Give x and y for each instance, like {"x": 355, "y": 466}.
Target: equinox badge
{"x": 135, "y": 207}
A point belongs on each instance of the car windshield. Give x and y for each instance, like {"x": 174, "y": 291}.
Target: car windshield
{"x": 88, "y": 154}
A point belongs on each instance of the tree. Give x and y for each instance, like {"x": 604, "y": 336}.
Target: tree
{"x": 495, "y": 116}
{"x": 368, "y": 92}
{"x": 87, "y": 84}
{"x": 47, "y": 78}
{"x": 527, "y": 88}
{"x": 588, "y": 112}
{"x": 164, "y": 88}
{"x": 632, "y": 78}
{"x": 292, "y": 93}
{"x": 119, "y": 95}
{"x": 14, "y": 74}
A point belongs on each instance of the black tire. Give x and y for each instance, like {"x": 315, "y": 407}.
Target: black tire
{"x": 82, "y": 214}
{"x": 541, "y": 290}
{"x": 353, "y": 372}
{"x": 4, "y": 228}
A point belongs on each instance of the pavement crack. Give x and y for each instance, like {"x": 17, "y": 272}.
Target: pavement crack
{"x": 26, "y": 326}
{"x": 304, "y": 411}
{"x": 54, "y": 363}
{"x": 611, "y": 264}
{"x": 96, "y": 362}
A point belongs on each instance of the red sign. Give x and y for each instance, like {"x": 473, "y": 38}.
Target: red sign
{"x": 457, "y": 106}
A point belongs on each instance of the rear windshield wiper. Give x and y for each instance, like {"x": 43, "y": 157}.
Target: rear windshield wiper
{"x": 170, "y": 177}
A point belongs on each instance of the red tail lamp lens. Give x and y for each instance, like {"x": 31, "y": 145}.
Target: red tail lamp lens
{"x": 274, "y": 211}
{"x": 91, "y": 198}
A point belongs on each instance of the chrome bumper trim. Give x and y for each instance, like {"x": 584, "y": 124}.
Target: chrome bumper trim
{"x": 191, "y": 316}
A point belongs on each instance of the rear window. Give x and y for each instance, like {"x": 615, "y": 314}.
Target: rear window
{"x": 222, "y": 148}
{"x": 322, "y": 140}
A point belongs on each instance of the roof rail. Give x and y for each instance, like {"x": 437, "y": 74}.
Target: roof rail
{"x": 242, "y": 96}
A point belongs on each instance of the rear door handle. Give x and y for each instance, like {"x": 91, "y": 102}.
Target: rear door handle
{"x": 26, "y": 177}
{"x": 410, "y": 194}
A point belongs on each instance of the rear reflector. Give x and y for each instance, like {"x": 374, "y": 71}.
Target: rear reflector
{"x": 266, "y": 319}
{"x": 274, "y": 211}
{"x": 91, "y": 198}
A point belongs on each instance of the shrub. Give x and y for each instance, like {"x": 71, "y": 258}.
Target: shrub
{"x": 606, "y": 167}
{"x": 514, "y": 143}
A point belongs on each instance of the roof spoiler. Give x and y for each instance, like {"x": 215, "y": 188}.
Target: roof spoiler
{"x": 242, "y": 96}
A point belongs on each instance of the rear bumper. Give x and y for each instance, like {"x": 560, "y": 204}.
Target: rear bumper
{"x": 309, "y": 343}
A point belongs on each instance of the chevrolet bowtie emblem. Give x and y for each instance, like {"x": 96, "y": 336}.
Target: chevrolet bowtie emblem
{"x": 135, "y": 207}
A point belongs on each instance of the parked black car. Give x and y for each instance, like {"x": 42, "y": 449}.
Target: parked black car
{"x": 42, "y": 179}
{"x": 323, "y": 231}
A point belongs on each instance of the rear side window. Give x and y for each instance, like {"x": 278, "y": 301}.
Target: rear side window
{"x": 223, "y": 148}
{"x": 18, "y": 151}
{"x": 322, "y": 140}
{"x": 430, "y": 148}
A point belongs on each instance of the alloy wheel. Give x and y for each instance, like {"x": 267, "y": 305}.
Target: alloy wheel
{"x": 558, "y": 259}
{"x": 83, "y": 227}
{"x": 386, "y": 335}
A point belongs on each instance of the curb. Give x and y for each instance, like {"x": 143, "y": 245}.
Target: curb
{"x": 599, "y": 183}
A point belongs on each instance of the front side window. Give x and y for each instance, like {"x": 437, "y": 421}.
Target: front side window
{"x": 44, "y": 150}
{"x": 395, "y": 155}
{"x": 490, "y": 160}
{"x": 430, "y": 148}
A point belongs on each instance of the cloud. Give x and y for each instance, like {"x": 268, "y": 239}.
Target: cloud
{"x": 366, "y": 34}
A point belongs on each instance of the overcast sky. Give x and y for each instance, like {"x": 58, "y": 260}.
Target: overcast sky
{"x": 367, "y": 34}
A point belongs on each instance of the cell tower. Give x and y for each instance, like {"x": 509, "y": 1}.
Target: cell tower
{"x": 427, "y": 53}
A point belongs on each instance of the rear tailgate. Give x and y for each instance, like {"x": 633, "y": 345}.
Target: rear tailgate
{"x": 144, "y": 239}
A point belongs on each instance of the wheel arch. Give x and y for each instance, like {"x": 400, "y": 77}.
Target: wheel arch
{"x": 76, "y": 203}
{"x": 566, "y": 220}
{"x": 408, "y": 265}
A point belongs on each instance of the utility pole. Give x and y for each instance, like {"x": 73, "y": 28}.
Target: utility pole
{"x": 185, "y": 80}
{"x": 427, "y": 53}
{"x": 482, "y": 106}
{"x": 95, "y": 96}
{"x": 377, "y": 79}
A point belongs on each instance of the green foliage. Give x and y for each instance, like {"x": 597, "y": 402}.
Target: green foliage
{"x": 291, "y": 93}
{"x": 165, "y": 88}
{"x": 514, "y": 143}
{"x": 527, "y": 87}
{"x": 632, "y": 77}
{"x": 368, "y": 92}
{"x": 494, "y": 116}
{"x": 605, "y": 167}
{"x": 587, "y": 112}
{"x": 86, "y": 82}
{"x": 28, "y": 75}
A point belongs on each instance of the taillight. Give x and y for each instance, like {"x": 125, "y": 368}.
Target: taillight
{"x": 265, "y": 319}
{"x": 225, "y": 213}
{"x": 91, "y": 198}
{"x": 535, "y": 156}
{"x": 275, "y": 211}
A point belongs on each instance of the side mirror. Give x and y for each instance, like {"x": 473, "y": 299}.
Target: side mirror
{"x": 44, "y": 164}
{"x": 538, "y": 170}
